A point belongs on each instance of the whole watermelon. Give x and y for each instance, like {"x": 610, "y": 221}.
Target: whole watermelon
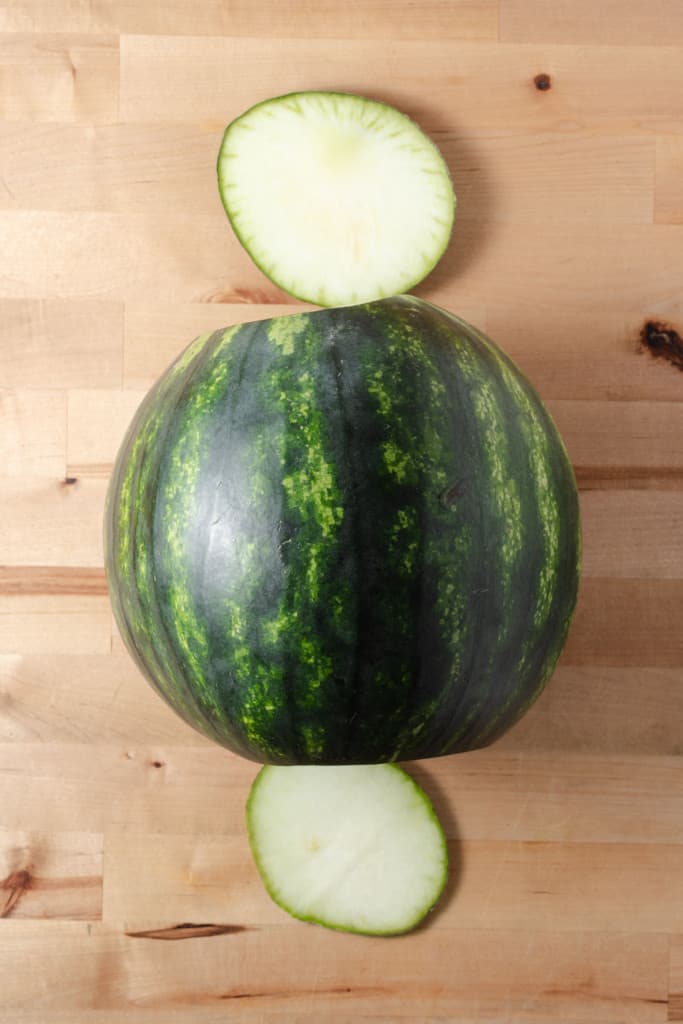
{"x": 344, "y": 536}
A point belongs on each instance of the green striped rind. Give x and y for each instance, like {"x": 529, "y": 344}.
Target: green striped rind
{"x": 345, "y": 536}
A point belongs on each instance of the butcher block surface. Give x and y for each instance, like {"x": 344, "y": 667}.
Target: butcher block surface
{"x": 127, "y": 891}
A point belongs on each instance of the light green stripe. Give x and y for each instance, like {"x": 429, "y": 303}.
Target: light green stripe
{"x": 502, "y": 487}
{"x": 541, "y": 452}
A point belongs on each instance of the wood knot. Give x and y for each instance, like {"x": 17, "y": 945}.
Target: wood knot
{"x": 244, "y": 296}
{"x": 663, "y": 342}
{"x": 17, "y": 880}
{"x": 543, "y": 82}
{"x": 187, "y": 930}
{"x": 17, "y": 883}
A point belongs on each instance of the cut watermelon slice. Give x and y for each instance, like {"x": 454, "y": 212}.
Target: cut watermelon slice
{"x": 357, "y": 847}
{"x": 337, "y": 198}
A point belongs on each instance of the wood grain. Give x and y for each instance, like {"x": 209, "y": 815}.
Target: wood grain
{"x": 111, "y": 167}
{"x": 39, "y": 579}
{"x": 434, "y": 80}
{"x": 627, "y": 622}
{"x": 457, "y": 19}
{"x": 127, "y": 890}
{"x": 669, "y": 190}
{"x": 33, "y": 432}
{"x": 54, "y": 624}
{"x": 676, "y": 978}
{"x": 649, "y": 542}
{"x": 194, "y": 259}
{"x": 97, "y": 420}
{"x": 130, "y": 168}
{"x": 622, "y": 434}
{"x": 581, "y": 796}
{"x": 65, "y": 520}
{"x": 51, "y": 343}
{"x": 596, "y": 355}
{"x": 638, "y": 23}
{"x": 513, "y": 884}
{"x": 526, "y": 974}
{"x": 559, "y": 795}
{"x": 58, "y": 77}
{"x": 206, "y": 1014}
{"x": 614, "y": 709}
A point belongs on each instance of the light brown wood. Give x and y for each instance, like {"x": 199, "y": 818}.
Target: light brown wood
{"x": 97, "y": 421}
{"x": 379, "y": 19}
{"x": 127, "y": 891}
{"x": 559, "y": 795}
{"x": 669, "y": 191}
{"x": 442, "y": 82}
{"x": 52, "y": 521}
{"x": 612, "y": 709}
{"x": 638, "y": 22}
{"x": 54, "y": 624}
{"x": 33, "y": 440}
{"x": 139, "y": 167}
{"x": 56, "y": 77}
{"x": 636, "y": 550}
{"x": 528, "y": 975}
{"x": 57, "y": 344}
{"x": 624, "y": 435}
{"x": 626, "y": 622}
{"x": 676, "y": 978}
{"x": 596, "y": 355}
{"x": 509, "y": 884}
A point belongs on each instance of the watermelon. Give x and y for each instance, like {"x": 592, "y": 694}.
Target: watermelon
{"x": 347, "y": 536}
{"x": 337, "y": 198}
{"x": 354, "y": 847}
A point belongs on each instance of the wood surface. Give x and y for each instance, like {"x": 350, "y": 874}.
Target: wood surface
{"x": 127, "y": 893}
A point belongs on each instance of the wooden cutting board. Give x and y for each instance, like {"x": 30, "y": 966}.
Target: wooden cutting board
{"x": 129, "y": 896}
